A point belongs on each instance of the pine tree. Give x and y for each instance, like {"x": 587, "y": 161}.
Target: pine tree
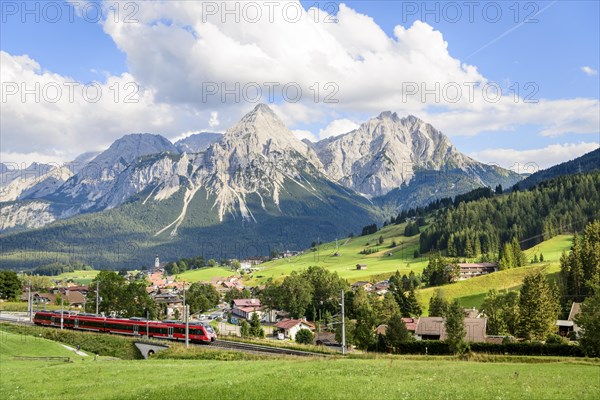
{"x": 255, "y": 329}
{"x": 437, "y": 305}
{"x": 455, "y": 327}
{"x": 492, "y": 307}
{"x": 244, "y": 328}
{"x": 541, "y": 257}
{"x": 538, "y": 308}
{"x": 506, "y": 257}
{"x": 468, "y": 247}
{"x": 589, "y": 322}
{"x": 413, "y": 304}
{"x": 518, "y": 256}
{"x": 396, "y": 333}
{"x": 451, "y": 250}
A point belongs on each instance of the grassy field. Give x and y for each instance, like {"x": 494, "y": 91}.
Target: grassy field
{"x": 348, "y": 255}
{"x": 384, "y": 377}
{"x": 205, "y": 274}
{"x": 299, "y": 379}
{"x": 80, "y": 277}
{"x": 12, "y": 344}
{"x": 471, "y": 292}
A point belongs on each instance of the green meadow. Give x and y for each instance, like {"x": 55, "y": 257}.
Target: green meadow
{"x": 387, "y": 377}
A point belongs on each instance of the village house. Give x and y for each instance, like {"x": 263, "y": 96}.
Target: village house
{"x": 364, "y": 285}
{"x": 39, "y": 298}
{"x": 433, "y": 328}
{"x": 72, "y": 298}
{"x": 171, "y": 304}
{"x": 158, "y": 280}
{"x": 361, "y": 267}
{"x": 290, "y": 327}
{"x": 325, "y": 339}
{"x": 290, "y": 253}
{"x": 78, "y": 288}
{"x": 565, "y": 327}
{"x": 410, "y": 323}
{"x": 471, "y": 270}
{"x": 244, "y": 308}
{"x": 382, "y": 287}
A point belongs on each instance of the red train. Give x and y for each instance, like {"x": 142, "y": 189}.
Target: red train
{"x": 174, "y": 330}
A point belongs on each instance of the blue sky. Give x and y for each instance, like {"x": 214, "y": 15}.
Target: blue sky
{"x": 550, "y": 52}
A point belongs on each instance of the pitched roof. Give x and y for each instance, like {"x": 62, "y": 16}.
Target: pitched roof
{"x": 477, "y": 265}
{"x": 290, "y": 323}
{"x": 411, "y": 323}
{"x": 246, "y": 303}
{"x": 575, "y": 309}
{"x": 248, "y": 309}
{"x": 325, "y": 337}
{"x": 80, "y": 288}
{"x": 75, "y": 297}
{"x": 381, "y": 329}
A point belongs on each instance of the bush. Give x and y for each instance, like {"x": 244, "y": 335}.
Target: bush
{"x": 244, "y": 328}
{"x": 528, "y": 349}
{"x": 435, "y": 347}
{"x": 553, "y": 338}
{"x": 179, "y": 352}
{"x": 304, "y": 336}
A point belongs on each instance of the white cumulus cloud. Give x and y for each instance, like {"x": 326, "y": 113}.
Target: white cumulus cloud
{"x": 534, "y": 159}
{"x": 589, "y": 71}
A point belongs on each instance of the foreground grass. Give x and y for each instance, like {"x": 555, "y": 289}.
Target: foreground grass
{"x": 382, "y": 377}
{"x": 299, "y": 379}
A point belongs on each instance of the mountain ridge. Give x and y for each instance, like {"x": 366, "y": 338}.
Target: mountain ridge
{"x": 255, "y": 178}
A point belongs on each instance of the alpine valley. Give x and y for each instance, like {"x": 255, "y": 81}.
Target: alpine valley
{"x": 244, "y": 193}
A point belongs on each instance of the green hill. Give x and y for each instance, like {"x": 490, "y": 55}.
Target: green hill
{"x": 342, "y": 257}
{"x": 471, "y": 292}
{"x": 12, "y": 345}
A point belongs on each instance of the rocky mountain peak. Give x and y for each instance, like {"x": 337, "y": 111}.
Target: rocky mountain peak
{"x": 261, "y": 131}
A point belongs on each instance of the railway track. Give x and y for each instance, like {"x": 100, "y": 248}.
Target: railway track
{"x": 220, "y": 344}
{"x": 257, "y": 348}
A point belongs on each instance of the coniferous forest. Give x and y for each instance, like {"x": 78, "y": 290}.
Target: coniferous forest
{"x": 470, "y": 229}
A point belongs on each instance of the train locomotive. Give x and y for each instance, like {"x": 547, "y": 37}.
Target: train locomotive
{"x": 169, "y": 329}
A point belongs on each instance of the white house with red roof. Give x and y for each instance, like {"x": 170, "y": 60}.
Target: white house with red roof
{"x": 290, "y": 327}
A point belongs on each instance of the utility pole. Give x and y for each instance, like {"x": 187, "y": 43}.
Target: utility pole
{"x": 343, "y": 326}
{"x": 62, "y": 310}
{"x": 187, "y": 327}
{"x": 29, "y": 300}
{"x": 97, "y": 295}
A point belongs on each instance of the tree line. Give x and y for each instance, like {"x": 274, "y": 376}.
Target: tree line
{"x": 130, "y": 299}
{"x": 483, "y": 226}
